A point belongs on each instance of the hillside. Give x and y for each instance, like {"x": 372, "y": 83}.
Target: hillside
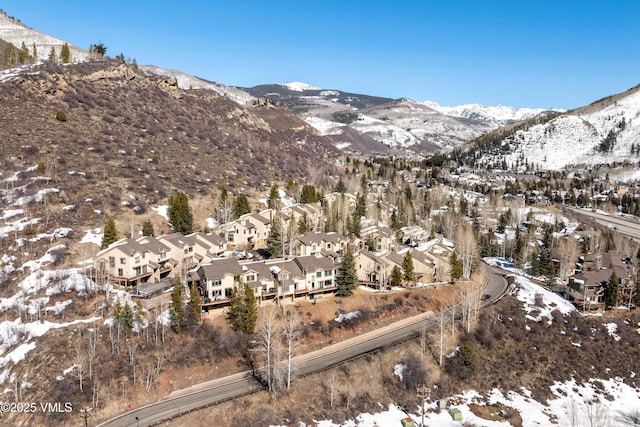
{"x": 15, "y": 32}
{"x": 108, "y": 130}
{"x": 605, "y": 131}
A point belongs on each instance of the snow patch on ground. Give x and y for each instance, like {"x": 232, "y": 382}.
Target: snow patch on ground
{"x": 538, "y": 299}
{"x": 347, "y": 316}
{"x": 93, "y": 236}
{"x": 573, "y": 404}
{"x": 611, "y": 329}
{"x": 163, "y": 211}
{"x": 398, "y": 370}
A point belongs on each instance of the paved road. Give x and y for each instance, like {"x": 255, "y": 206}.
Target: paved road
{"x": 241, "y": 384}
{"x": 624, "y": 226}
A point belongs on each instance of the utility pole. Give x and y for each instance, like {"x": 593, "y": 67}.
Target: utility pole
{"x": 85, "y": 416}
{"x": 423, "y": 394}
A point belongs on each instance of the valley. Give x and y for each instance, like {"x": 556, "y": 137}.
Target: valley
{"x": 160, "y": 232}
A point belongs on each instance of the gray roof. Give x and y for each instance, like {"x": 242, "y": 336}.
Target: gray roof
{"x": 219, "y": 268}
{"x": 126, "y": 245}
{"x": 178, "y": 240}
{"x": 317, "y": 237}
{"x": 311, "y": 263}
{"x": 153, "y": 245}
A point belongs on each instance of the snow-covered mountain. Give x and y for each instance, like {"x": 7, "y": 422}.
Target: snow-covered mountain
{"x": 386, "y": 124}
{"x": 603, "y": 132}
{"x": 494, "y": 116}
{"x": 15, "y": 32}
{"x": 299, "y": 86}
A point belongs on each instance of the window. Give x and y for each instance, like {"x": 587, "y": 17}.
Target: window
{"x": 144, "y": 254}
{"x": 319, "y": 274}
{"x": 137, "y": 271}
{"x": 120, "y": 272}
{"x": 112, "y": 262}
{"x": 190, "y": 248}
{"x": 216, "y": 282}
{"x": 251, "y": 278}
{"x": 123, "y": 260}
{"x": 328, "y": 246}
{"x": 328, "y": 273}
{"x": 137, "y": 259}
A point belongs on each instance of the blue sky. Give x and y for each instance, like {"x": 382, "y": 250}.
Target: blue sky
{"x": 537, "y": 53}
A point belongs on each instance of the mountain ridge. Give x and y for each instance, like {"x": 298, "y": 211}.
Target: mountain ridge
{"x": 603, "y": 132}
{"x": 15, "y": 32}
{"x": 399, "y": 124}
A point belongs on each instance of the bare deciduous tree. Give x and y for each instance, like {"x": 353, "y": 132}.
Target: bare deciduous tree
{"x": 442, "y": 269}
{"x": 92, "y": 349}
{"x": 442, "y": 318}
{"x": 291, "y": 333}
{"x": 270, "y": 349}
{"x": 469, "y": 296}
{"x": 568, "y": 253}
{"x": 467, "y": 248}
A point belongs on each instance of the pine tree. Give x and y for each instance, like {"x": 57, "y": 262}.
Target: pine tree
{"x": 347, "y": 279}
{"x": 23, "y": 54}
{"x": 361, "y": 206}
{"x": 396, "y": 224}
{"x": 303, "y": 225}
{"x": 354, "y": 225}
{"x": 274, "y": 198}
{"x": 65, "y": 54}
{"x": 612, "y": 291}
{"x": 177, "y": 307}
{"x": 275, "y": 238}
{"x": 180, "y": 215}
{"x": 195, "y": 303}
{"x": 10, "y": 56}
{"x": 340, "y": 187}
{"x": 308, "y": 194}
{"x": 250, "y": 317}
{"x": 396, "y": 276}
{"x": 468, "y": 357}
{"x": 147, "y": 228}
{"x": 110, "y": 233}
{"x": 456, "y": 266}
{"x": 242, "y": 313}
{"x": 123, "y": 317}
{"x": 52, "y": 54}
{"x": 408, "y": 269}
{"x": 241, "y": 206}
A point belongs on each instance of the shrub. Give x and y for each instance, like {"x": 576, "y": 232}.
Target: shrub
{"x": 61, "y": 116}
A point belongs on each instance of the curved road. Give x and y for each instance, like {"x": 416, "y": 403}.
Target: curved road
{"x": 243, "y": 383}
